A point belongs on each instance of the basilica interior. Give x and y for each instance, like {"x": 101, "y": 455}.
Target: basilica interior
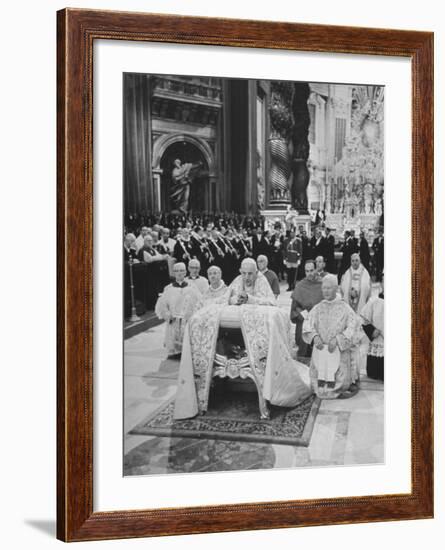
{"x": 264, "y": 147}
{"x": 283, "y": 151}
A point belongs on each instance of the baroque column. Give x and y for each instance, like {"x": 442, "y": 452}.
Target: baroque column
{"x": 300, "y": 144}
{"x": 281, "y": 121}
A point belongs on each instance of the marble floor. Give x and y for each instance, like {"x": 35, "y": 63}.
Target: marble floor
{"x": 349, "y": 431}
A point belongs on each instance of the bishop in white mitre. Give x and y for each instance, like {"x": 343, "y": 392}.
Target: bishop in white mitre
{"x": 175, "y": 306}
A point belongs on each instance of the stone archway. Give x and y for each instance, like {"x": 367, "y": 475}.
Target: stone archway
{"x": 187, "y": 148}
{"x": 171, "y": 145}
{"x": 164, "y": 141}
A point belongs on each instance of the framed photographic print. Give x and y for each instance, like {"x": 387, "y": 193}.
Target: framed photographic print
{"x": 235, "y": 199}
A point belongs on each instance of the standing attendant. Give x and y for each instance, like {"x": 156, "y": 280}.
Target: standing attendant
{"x": 260, "y": 244}
{"x": 292, "y": 249}
{"x": 379, "y": 255}
{"x": 364, "y": 251}
{"x": 318, "y": 244}
{"x": 330, "y": 252}
{"x": 305, "y": 254}
{"x": 276, "y": 247}
{"x": 350, "y": 246}
{"x": 270, "y": 275}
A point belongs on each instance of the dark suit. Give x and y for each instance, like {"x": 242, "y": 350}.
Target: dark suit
{"x": 330, "y": 254}
{"x": 276, "y": 259}
{"x": 379, "y": 256}
{"x": 260, "y": 246}
{"x": 306, "y": 254}
{"x": 364, "y": 252}
{"x": 318, "y": 247}
{"x": 350, "y": 247}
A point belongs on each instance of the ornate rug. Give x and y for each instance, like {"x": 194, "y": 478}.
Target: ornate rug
{"x": 234, "y": 416}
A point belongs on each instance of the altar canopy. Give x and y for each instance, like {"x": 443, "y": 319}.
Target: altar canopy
{"x": 266, "y": 332}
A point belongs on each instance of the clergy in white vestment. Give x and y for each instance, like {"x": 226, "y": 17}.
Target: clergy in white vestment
{"x": 251, "y": 286}
{"x": 176, "y": 305}
{"x": 265, "y": 327}
{"x": 217, "y": 291}
{"x": 356, "y": 284}
{"x": 194, "y": 278}
{"x": 333, "y": 328}
{"x": 373, "y": 325}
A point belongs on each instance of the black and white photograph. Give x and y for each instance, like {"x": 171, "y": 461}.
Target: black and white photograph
{"x": 253, "y": 274}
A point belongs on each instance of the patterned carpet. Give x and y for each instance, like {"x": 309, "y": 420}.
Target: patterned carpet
{"x": 234, "y": 416}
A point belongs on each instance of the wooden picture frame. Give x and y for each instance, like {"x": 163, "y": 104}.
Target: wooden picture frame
{"x": 77, "y": 31}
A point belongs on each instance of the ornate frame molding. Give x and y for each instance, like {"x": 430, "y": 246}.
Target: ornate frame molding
{"x": 77, "y": 30}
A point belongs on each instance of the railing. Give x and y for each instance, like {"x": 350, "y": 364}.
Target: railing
{"x": 192, "y": 89}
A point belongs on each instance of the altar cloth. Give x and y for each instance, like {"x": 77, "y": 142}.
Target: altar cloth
{"x": 267, "y": 336}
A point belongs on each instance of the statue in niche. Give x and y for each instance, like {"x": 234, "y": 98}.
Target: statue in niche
{"x": 300, "y": 142}
{"x": 182, "y": 177}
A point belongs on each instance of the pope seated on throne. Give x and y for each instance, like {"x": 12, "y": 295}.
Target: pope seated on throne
{"x": 246, "y": 336}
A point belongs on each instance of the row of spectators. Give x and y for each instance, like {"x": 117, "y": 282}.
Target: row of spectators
{"x": 220, "y": 220}
{"x": 222, "y": 243}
